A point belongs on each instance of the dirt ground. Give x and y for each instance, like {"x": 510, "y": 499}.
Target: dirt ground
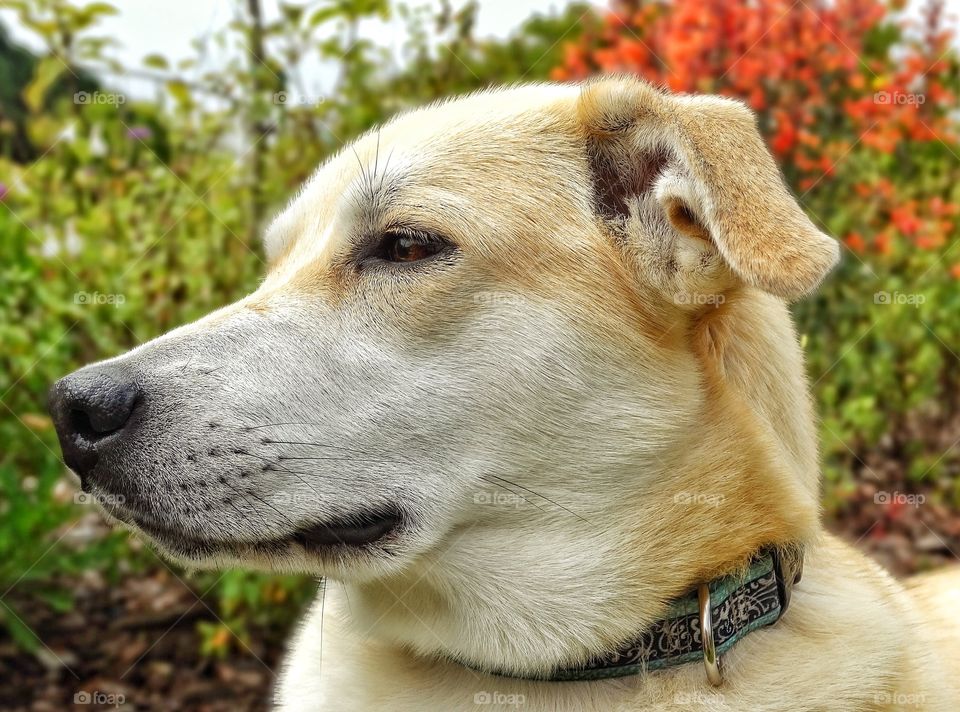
{"x": 134, "y": 646}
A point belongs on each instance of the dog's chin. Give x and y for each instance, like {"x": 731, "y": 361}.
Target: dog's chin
{"x": 355, "y": 547}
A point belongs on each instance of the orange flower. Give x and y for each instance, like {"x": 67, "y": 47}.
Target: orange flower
{"x": 855, "y": 242}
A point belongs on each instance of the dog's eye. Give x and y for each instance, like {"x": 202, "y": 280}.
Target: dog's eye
{"x": 409, "y": 246}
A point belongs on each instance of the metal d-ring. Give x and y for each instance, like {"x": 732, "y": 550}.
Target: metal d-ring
{"x": 710, "y": 660}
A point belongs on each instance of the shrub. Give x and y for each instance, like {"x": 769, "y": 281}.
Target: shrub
{"x": 859, "y": 106}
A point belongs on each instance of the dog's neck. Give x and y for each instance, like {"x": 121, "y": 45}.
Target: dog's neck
{"x": 700, "y": 626}
{"x": 539, "y": 591}
{"x": 502, "y": 599}
{"x": 734, "y": 605}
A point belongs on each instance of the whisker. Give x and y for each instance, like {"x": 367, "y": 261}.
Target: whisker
{"x": 383, "y": 175}
{"x": 323, "y": 604}
{"x": 301, "y": 472}
{"x": 230, "y": 502}
{"x": 339, "y": 459}
{"x": 332, "y": 447}
{"x": 283, "y": 517}
{"x": 314, "y": 444}
{"x": 537, "y": 494}
{"x": 512, "y": 491}
{"x": 331, "y": 459}
{"x": 277, "y": 425}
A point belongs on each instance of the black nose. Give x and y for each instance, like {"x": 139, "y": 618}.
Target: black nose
{"x": 88, "y": 408}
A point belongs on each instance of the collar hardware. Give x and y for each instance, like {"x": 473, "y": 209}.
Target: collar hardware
{"x": 703, "y": 625}
{"x": 711, "y": 661}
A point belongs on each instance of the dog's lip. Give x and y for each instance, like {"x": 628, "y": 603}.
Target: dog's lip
{"x": 354, "y": 531}
{"x": 359, "y": 530}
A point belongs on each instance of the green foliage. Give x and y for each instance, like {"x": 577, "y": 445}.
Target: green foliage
{"x": 137, "y": 218}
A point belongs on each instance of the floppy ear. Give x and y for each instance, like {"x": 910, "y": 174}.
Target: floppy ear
{"x": 701, "y": 163}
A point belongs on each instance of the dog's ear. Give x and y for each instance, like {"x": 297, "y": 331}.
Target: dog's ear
{"x": 696, "y": 166}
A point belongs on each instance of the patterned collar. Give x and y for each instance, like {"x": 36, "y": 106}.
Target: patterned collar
{"x": 730, "y": 607}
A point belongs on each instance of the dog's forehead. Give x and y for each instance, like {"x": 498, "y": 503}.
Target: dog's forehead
{"x": 504, "y": 146}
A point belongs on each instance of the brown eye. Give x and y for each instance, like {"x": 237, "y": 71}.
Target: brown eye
{"x": 403, "y": 247}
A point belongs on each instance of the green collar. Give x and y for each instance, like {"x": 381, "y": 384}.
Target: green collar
{"x": 728, "y": 608}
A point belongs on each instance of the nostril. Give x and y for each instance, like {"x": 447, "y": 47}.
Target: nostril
{"x": 82, "y": 425}
{"x": 92, "y": 404}
{"x": 106, "y": 411}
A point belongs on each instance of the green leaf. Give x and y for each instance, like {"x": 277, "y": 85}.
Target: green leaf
{"x": 47, "y": 71}
{"x": 323, "y": 15}
{"x": 156, "y": 61}
{"x": 20, "y": 632}
{"x": 99, "y": 8}
{"x": 292, "y": 13}
{"x": 60, "y": 600}
{"x": 180, "y": 91}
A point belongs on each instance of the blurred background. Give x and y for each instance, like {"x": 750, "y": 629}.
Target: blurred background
{"x": 144, "y": 145}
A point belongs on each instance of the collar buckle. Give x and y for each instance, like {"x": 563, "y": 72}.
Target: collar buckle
{"x": 711, "y": 661}
{"x": 788, "y": 568}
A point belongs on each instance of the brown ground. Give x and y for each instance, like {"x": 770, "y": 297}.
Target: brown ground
{"x": 138, "y": 639}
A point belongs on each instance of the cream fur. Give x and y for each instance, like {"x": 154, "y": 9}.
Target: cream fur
{"x": 599, "y": 403}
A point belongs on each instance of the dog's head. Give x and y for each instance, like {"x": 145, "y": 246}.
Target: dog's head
{"x": 541, "y": 330}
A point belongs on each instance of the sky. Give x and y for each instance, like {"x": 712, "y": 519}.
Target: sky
{"x": 167, "y": 27}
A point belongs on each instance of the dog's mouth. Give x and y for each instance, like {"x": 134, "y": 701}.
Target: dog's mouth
{"x": 334, "y": 537}
{"x": 362, "y": 530}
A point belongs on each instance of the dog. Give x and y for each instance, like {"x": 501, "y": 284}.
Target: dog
{"x": 521, "y": 385}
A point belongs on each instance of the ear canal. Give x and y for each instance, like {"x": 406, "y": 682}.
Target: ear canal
{"x": 722, "y": 185}
{"x": 680, "y": 216}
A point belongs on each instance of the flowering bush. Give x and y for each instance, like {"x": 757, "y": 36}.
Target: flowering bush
{"x": 859, "y": 105}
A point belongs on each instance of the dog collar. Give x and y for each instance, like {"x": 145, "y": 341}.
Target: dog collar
{"x": 725, "y": 609}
